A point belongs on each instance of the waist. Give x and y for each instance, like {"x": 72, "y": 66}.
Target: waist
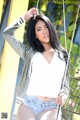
{"x": 45, "y": 99}
{"x": 39, "y": 99}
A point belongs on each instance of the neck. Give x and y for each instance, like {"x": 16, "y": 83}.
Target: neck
{"x": 48, "y": 48}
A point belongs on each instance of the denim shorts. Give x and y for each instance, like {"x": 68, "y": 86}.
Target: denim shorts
{"x": 37, "y": 105}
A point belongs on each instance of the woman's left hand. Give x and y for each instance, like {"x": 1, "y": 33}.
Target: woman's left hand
{"x": 61, "y": 99}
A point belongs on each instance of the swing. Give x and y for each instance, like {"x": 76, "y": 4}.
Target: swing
{"x": 69, "y": 54}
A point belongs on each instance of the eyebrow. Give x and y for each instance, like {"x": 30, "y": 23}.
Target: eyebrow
{"x": 41, "y": 27}
{"x": 38, "y": 27}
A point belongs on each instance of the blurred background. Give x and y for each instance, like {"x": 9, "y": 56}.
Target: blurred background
{"x": 65, "y": 16}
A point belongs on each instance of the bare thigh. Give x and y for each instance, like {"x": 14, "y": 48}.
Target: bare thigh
{"x": 25, "y": 113}
{"x": 48, "y": 115}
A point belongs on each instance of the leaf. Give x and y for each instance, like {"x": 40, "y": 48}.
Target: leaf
{"x": 70, "y": 8}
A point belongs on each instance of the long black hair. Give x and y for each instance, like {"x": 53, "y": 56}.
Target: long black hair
{"x": 36, "y": 44}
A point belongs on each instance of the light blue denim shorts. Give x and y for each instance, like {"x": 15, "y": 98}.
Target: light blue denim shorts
{"x": 37, "y": 105}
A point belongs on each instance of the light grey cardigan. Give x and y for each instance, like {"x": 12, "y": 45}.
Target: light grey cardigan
{"x": 26, "y": 53}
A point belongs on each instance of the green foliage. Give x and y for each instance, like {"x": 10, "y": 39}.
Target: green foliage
{"x": 70, "y": 8}
{"x": 67, "y": 1}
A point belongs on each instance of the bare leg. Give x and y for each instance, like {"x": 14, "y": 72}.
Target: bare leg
{"x": 25, "y": 113}
{"x": 48, "y": 115}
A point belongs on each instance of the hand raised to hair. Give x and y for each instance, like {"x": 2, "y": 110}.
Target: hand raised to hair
{"x": 30, "y": 13}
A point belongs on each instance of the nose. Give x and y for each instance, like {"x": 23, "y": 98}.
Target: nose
{"x": 44, "y": 30}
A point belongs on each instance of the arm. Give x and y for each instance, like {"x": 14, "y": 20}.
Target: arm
{"x": 9, "y": 32}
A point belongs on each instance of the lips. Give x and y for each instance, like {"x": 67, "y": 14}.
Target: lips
{"x": 47, "y": 36}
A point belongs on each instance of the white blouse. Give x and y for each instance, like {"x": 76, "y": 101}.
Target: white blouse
{"x": 46, "y": 78}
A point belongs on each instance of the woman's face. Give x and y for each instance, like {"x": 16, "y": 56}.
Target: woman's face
{"x": 42, "y": 32}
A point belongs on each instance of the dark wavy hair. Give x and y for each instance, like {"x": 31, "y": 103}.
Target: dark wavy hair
{"x": 36, "y": 44}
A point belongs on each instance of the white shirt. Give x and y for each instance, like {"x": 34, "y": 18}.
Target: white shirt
{"x": 46, "y": 78}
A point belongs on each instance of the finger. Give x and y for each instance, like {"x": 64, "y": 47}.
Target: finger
{"x": 60, "y": 100}
{"x": 61, "y": 94}
{"x": 61, "y": 103}
{"x": 34, "y": 10}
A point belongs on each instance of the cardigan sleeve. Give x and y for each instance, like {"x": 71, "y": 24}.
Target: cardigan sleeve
{"x": 8, "y": 34}
{"x": 65, "y": 87}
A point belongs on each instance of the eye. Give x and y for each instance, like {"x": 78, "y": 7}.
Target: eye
{"x": 38, "y": 29}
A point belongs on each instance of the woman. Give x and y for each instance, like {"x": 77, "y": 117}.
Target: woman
{"x": 43, "y": 70}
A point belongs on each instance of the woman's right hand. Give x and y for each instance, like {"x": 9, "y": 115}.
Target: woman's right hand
{"x": 30, "y": 13}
